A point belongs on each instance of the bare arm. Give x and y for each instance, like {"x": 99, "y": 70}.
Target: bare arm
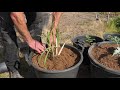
{"x": 20, "y": 23}
{"x": 56, "y": 20}
{"x": 57, "y": 16}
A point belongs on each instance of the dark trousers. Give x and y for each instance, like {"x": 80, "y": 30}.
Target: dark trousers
{"x": 9, "y": 40}
{"x": 10, "y": 49}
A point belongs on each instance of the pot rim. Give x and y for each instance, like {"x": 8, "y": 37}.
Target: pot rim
{"x": 105, "y": 36}
{"x": 83, "y": 36}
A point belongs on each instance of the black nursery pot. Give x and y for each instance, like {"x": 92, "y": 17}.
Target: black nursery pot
{"x": 80, "y": 44}
{"x": 67, "y": 73}
{"x": 98, "y": 70}
{"x": 106, "y": 36}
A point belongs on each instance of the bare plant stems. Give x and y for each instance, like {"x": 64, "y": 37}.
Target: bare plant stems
{"x": 61, "y": 49}
{"x": 56, "y": 47}
{"x": 52, "y": 49}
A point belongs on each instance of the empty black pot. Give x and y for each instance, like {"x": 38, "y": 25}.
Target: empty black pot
{"x": 67, "y": 73}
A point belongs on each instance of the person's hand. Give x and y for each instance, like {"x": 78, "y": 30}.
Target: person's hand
{"x": 53, "y": 38}
{"x": 39, "y": 47}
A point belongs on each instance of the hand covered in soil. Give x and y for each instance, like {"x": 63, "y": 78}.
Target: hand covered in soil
{"x": 39, "y": 47}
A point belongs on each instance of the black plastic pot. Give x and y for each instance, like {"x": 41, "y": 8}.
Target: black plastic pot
{"x": 79, "y": 41}
{"x": 106, "y": 36}
{"x": 78, "y": 45}
{"x": 67, "y": 73}
{"x": 98, "y": 70}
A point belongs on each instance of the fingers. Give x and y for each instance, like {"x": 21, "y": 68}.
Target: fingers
{"x": 39, "y": 47}
{"x": 44, "y": 45}
{"x": 38, "y": 51}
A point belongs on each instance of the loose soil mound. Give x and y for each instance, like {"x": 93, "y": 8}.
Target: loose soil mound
{"x": 65, "y": 60}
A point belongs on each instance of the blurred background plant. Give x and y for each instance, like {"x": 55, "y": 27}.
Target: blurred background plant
{"x": 112, "y": 22}
{"x": 113, "y": 25}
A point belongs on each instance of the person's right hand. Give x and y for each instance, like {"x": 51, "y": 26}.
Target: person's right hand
{"x": 34, "y": 44}
{"x": 53, "y": 38}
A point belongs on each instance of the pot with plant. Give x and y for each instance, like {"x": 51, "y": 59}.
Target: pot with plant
{"x": 105, "y": 58}
{"x": 107, "y": 37}
{"x": 57, "y": 61}
{"x": 85, "y": 42}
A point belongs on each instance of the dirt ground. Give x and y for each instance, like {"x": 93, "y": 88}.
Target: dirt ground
{"x": 71, "y": 25}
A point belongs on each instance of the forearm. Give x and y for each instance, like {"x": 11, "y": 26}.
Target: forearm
{"x": 20, "y": 23}
{"x": 56, "y": 16}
